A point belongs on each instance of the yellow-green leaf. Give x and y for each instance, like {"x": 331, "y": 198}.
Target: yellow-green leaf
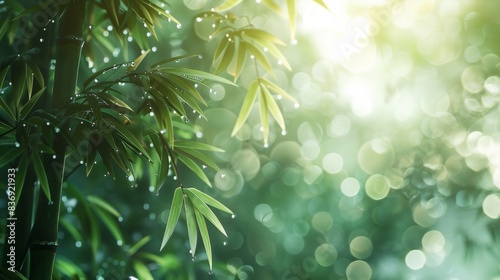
{"x": 173, "y": 217}
{"x": 134, "y": 64}
{"x": 142, "y": 271}
{"x": 273, "y": 108}
{"x": 264, "y": 116}
{"x": 227, "y": 5}
{"x": 292, "y": 14}
{"x": 246, "y": 107}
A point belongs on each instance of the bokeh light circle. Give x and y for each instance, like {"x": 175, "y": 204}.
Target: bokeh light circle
{"x": 361, "y": 247}
{"x": 415, "y": 259}
{"x": 376, "y": 156}
{"x": 359, "y": 270}
{"x": 325, "y": 255}
{"x": 377, "y": 187}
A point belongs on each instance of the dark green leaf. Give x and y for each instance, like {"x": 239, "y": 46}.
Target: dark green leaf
{"x": 26, "y": 109}
{"x": 142, "y": 271}
{"x": 103, "y": 205}
{"x": 41, "y": 175}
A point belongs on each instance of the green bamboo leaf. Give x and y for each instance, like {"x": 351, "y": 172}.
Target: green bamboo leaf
{"x": 142, "y": 271}
{"x": 7, "y": 109}
{"x": 29, "y": 81}
{"x": 274, "y": 51}
{"x": 176, "y": 58}
{"x": 292, "y": 16}
{"x": 264, "y": 116}
{"x": 226, "y": 57}
{"x": 126, "y": 135}
{"x": 273, "y": 5}
{"x": 3, "y": 74}
{"x": 10, "y": 275}
{"x": 272, "y": 106}
{"x": 137, "y": 61}
{"x": 9, "y": 156}
{"x": 204, "y": 236}
{"x": 197, "y": 146}
{"x": 191, "y": 226}
{"x": 173, "y": 217}
{"x": 41, "y": 175}
{"x": 68, "y": 268}
{"x": 323, "y": 4}
{"x": 273, "y": 87}
{"x": 205, "y": 210}
{"x": 210, "y": 200}
{"x": 240, "y": 60}
{"x": 195, "y": 168}
{"x": 96, "y": 109}
{"x": 198, "y": 156}
{"x": 219, "y": 52}
{"x": 261, "y": 36}
{"x": 21, "y": 174}
{"x": 196, "y": 75}
{"x": 259, "y": 56}
{"x": 138, "y": 245}
{"x": 70, "y": 227}
{"x": 246, "y": 107}
{"x": 18, "y": 75}
{"x": 91, "y": 153}
{"x": 110, "y": 223}
{"x": 105, "y": 152}
{"x": 26, "y": 109}
{"x": 35, "y": 70}
{"x": 227, "y": 5}
{"x": 103, "y": 205}
{"x": 164, "y": 167}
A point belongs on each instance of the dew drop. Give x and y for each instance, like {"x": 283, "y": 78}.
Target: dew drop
{"x": 193, "y": 258}
{"x": 17, "y": 144}
{"x": 51, "y": 202}
{"x": 91, "y": 27}
{"x": 224, "y": 243}
{"x": 120, "y": 219}
{"x": 54, "y": 156}
{"x": 296, "y": 105}
{"x": 119, "y": 242}
{"x": 210, "y": 272}
{"x": 179, "y": 26}
{"x": 199, "y": 19}
{"x": 57, "y": 130}
{"x": 283, "y": 132}
{"x": 233, "y": 216}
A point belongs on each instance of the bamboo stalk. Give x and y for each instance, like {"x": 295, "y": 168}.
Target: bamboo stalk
{"x": 45, "y": 230}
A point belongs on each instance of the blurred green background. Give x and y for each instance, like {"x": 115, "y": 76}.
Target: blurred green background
{"x": 388, "y": 169}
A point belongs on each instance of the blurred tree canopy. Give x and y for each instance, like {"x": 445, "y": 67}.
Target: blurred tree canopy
{"x": 348, "y": 139}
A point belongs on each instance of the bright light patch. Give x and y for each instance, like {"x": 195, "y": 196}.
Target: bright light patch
{"x": 415, "y": 259}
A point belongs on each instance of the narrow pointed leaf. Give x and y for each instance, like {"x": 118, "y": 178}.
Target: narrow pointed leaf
{"x": 195, "y": 168}
{"x": 110, "y": 223}
{"x": 9, "y": 156}
{"x": 21, "y": 174}
{"x": 323, "y": 4}
{"x": 204, "y": 236}
{"x": 226, "y": 57}
{"x": 264, "y": 116}
{"x": 246, "y": 107}
{"x": 197, "y": 146}
{"x": 103, "y": 205}
{"x": 191, "y": 226}
{"x": 205, "y": 210}
{"x": 240, "y": 60}
{"x": 142, "y": 271}
{"x": 137, "y": 61}
{"x": 292, "y": 15}
{"x": 173, "y": 217}
{"x": 7, "y": 109}
{"x": 176, "y": 58}
{"x": 273, "y": 87}
{"x": 26, "y": 109}
{"x": 210, "y": 200}
{"x": 273, "y": 108}
{"x": 41, "y": 175}
{"x": 138, "y": 245}
{"x": 227, "y": 5}
{"x": 198, "y": 74}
